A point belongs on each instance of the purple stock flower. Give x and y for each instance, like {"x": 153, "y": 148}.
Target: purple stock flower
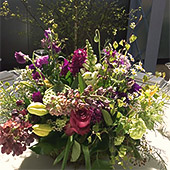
{"x": 47, "y": 33}
{"x": 37, "y": 97}
{"x": 31, "y": 66}
{"x": 42, "y": 60}
{"x": 135, "y": 88}
{"x": 36, "y": 76}
{"x": 96, "y": 115}
{"x": 20, "y": 57}
{"x": 78, "y": 59}
{"x": 56, "y": 48}
{"x": 65, "y": 68}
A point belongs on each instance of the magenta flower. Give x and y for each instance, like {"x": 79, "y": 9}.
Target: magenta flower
{"x": 37, "y": 97}
{"x": 20, "y": 57}
{"x": 65, "y": 68}
{"x": 42, "y": 60}
{"x": 78, "y": 59}
{"x": 56, "y": 48}
{"x": 47, "y": 33}
{"x": 36, "y": 76}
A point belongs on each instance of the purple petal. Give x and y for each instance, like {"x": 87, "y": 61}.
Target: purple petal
{"x": 20, "y": 57}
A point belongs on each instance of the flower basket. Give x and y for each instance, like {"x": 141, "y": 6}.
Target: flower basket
{"x": 81, "y": 108}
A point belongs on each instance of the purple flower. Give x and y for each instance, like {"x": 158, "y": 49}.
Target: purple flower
{"x": 47, "y": 33}
{"x": 31, "y": 66}
{"x": 42, "y": 60}
{"x": 19, "y": 102}
{"x": 20, "y": 57}
{"x": 37, "y": 97}
{"x": 96, "y": 115}
{"x": 78, "y": 59}
{"x": 65, "y": 68}
{"x": 135, "y": 88}
{"x": 36, "y": 76}
{"x": 56, "y": 48}
{"x": 124, "y": 61}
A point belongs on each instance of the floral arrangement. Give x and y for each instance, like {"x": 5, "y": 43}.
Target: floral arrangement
{"x": 81, "y": 108}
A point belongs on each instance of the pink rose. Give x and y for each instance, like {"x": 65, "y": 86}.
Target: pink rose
{"x": 79, "y": 122}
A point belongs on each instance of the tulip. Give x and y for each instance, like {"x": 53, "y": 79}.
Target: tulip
{"x": 37, "y": 108}
{"x": 42, "y": 129}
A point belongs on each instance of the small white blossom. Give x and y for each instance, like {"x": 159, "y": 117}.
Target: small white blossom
{"x": 123, "y": 70}
{"x": 130, "y": 96}
{"x": 116, "y": 70}
{"x": 133, "y": 71}
{"x": 135, "y": 94}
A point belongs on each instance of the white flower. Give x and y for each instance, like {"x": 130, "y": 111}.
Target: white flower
{"x": 98, "y": 66}
{"x": 133, "y": 71}
{"x": 130, "y": 96}
{"x": 131, "y": 57}
{"x": 123, "y": 70}
{"x": 135, "y": 94}
{"x": 116, "y": 70}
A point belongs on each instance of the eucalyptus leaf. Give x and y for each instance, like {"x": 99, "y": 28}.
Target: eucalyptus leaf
{"x": 107, "y": 117}
{"x": 76, "y": 151}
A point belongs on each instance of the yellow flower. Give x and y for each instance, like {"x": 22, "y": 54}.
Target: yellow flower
{"x": 47, "y": 83}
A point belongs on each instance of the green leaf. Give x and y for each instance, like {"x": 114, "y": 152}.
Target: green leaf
{"x": 107, "y": 117}
{"x": 115, "y": 44}
{"x": 127, "y": 46}
{"x": 59, "y": 157}
{"x": 76, "y": 151}
{"x": 87, "y": 157}
{"x": 132, "y": 38}
{"x": 121, "y": 42}
{"x": 75, "y": 83}
{"x": 66, "y": 153}
{"x": 101, "y": 165}
{"x": 145, "y": 78}
{"x": 82, "y": 84}
{"x": 138, "y": 128}
{"x": 118, "y": 140}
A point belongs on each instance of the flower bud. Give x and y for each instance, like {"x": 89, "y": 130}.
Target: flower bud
{"x": 42, "y": 129}
{"x": 37, "y": 108}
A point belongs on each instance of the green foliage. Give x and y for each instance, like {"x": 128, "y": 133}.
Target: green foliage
{"x": 107, "y": 117}
{"x": 76, "y": 151}
{"x": 100, "y": 164}
{"x": 137, "y": 129}
{"x": 73, "y": 19}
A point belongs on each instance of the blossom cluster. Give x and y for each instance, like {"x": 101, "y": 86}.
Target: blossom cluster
{"x": 93, "y": 103}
